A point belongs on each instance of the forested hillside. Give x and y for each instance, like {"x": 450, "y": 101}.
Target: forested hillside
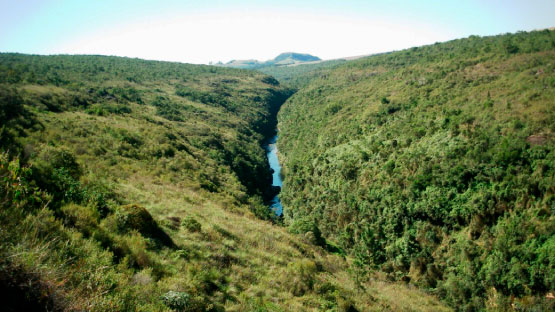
{"x": 435, "y": 165}
{"x": 131, "y": 185}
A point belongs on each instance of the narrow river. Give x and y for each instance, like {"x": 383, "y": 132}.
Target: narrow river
{"x": 271, "y": 153}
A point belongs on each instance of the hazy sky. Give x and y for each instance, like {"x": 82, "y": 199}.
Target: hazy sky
{"x": 209, "y": 30}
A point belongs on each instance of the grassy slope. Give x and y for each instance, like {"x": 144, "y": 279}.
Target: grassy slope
{"x": 435, "y": 165}
{"x": 99, "y": 138}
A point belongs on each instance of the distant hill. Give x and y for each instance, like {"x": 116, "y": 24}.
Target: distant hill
{"x": 245, "y": 64}
{"x": 294, "y": 70}
{"x": 298, "y": 75}
{"x": 287, "y": 58}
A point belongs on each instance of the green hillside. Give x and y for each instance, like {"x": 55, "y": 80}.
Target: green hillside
{"x": 434, "y": 165}
{"x": 300, "y": 75}
{"x": 131, "y": 185}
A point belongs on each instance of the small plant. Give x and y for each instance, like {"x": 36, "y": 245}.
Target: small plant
{"x": 176, "y": 300}
{"x": 191, "y": 224}
{"x": 489, "y": 102}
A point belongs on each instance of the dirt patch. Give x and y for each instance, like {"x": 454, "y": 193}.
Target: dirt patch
{"x": 537, "y": 139}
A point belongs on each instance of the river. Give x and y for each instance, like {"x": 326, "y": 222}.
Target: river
{"x": 271, "y": 153}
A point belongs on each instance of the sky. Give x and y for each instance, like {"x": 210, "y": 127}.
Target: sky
{"x": 206, "y": 31}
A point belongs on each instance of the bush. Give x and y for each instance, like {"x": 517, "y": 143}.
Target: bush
{"x": 301, "y": 276}
{"x": 11, "y": 105}
{"x": 209, "y": 98}
{"x": 83, "y": 218}
{"x": 135, "y": 217}
{"x": 167, "y": 109}
{"x": 309, "y": 229}
{"x": 57, "y": 171}
{"x": 58, "y": 158}
{"x": 176, "y": 300}
{"x": 270, "y": 80}
{"x": 135, "y": 247}
{"x": 191, "y": 224}
{"x": 510, "y": 47}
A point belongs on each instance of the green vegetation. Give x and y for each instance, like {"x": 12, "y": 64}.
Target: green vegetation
{"x": 434, "y": 165}
{"x": 131, "y": 185}
{"x": 298, "y": 76}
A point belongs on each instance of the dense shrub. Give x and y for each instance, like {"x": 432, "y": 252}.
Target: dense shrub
{"x": 165, "y": 108}
{"x": 14, "y": 118}
{"x": 210, "y": 98}
{"x": 309, "y": 229}
{"x": 135, "y": 217}
{"x": 83, "y": 218}
{"x": 191, "y": 224}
